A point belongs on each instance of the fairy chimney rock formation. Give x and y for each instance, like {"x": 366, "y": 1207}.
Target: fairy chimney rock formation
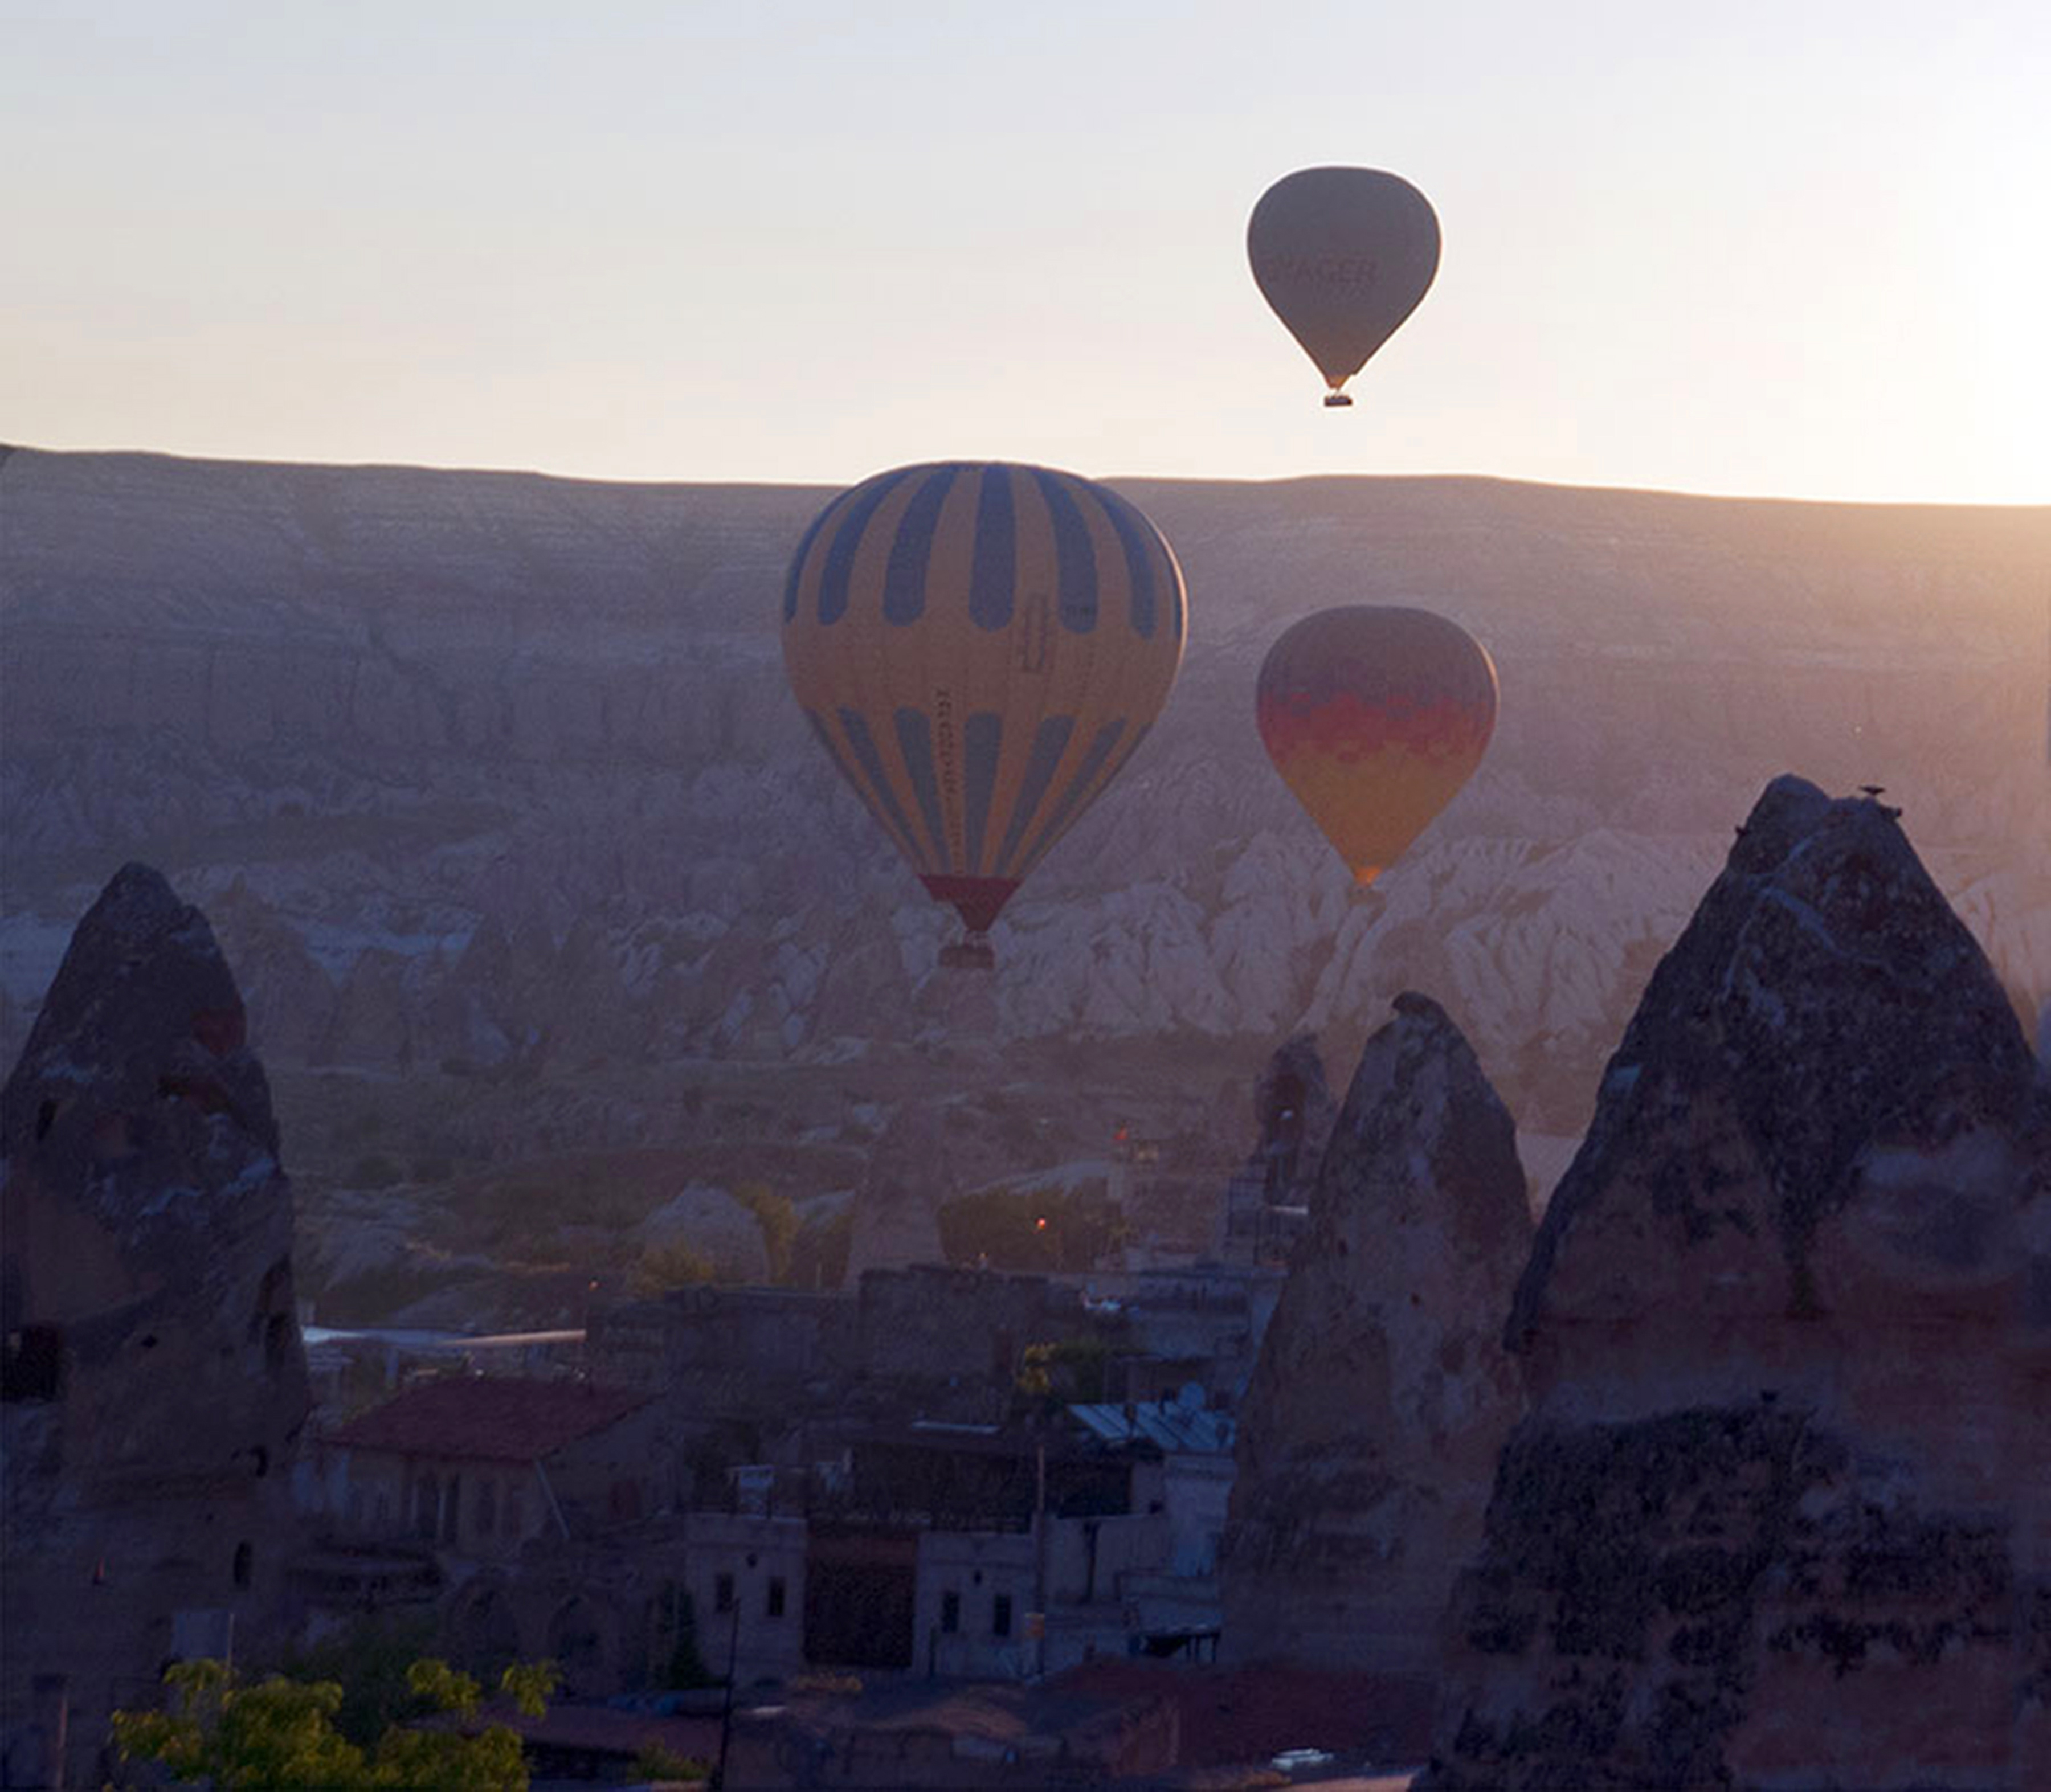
{"x": 1382, "y": 1393}
{"x": 1781, "y": 1512}
{"x": 1293, "y": 1112}
{"x": 155, "y": 1383}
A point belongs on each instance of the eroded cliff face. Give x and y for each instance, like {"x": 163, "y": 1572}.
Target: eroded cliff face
{"x": 1781, "y": 1512}
{"x": 493, "y": 780}
{"x": 1382, "y": 1392}
{"x": 155, "y": 1379}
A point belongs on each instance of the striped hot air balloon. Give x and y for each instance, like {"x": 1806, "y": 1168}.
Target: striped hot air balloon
{"x": 979, "y": 647}
{"x": 1375, "y": 718}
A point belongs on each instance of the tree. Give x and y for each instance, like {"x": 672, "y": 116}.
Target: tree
{"x": 671, "y": 1265}
{"x": 1032, "y": 1228}
{"x": 1052, "y": 1375}
{"x": 280, "y": 1735}
{"x": 656, "y": 1762}
{"x": 370, "y": 1661}
{"x": 778, "y": 1220}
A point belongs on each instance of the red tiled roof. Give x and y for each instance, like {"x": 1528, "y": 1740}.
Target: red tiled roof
{"x": 488, "y": 1419}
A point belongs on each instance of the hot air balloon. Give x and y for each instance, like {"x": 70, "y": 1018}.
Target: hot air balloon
{"x": 1375, "y": 718}
{"x": 979, "y": 647}
{"x": 1343, "y": 255}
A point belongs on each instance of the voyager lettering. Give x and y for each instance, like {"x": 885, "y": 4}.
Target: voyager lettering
{"x": 1322, "y": 270}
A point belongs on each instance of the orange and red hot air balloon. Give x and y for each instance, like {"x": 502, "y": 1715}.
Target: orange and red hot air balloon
{"x": 1375, "y": 717}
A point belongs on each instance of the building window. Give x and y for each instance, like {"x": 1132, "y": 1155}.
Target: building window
{"x": 951, "y": 1612}
{"x": 722, "y": 1592}
{"x": 487, "y": 1508}
{"x": 427, "y": 1498}
{"x": 243, "y": 1562}
{"x": 774, "y": 1604}
{"x": 451, "y": 1508}
{"x": 1000, "y": 1615}
{"x": 515, "y": 1528}
{"x": 34, "y": 1363}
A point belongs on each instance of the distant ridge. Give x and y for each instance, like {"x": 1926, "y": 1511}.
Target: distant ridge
{"x": 493, "y": 788}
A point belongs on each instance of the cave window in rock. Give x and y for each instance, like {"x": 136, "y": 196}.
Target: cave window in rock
{"x": 1000, "y": 1615}
{"x": 33, "y": 1368}
{"x": 722, "y": 1592}
{"x": 951, "y": 1612}
{"x": 1281, "y": 1128}
{"x": 273, "y": 1315}
{"x": 245, "y": 1559}
{"x": 772, "y": 1605}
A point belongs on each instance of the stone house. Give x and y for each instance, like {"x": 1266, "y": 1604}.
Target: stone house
{"x": 745, "y": 1575}
{"x": 477, "y": 1466}
{"x": 975, "y": 1591}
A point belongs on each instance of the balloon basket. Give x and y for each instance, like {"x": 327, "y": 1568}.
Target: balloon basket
{"x": 972, "y": 952}
{"x": 1337, "y": 401}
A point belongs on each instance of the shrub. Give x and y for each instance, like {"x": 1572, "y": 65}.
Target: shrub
{"x": 281, "y": 1735}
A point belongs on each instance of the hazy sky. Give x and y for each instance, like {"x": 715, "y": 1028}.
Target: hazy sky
{"x": 1789, "y": 247}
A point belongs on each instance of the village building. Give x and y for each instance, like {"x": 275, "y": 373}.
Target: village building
{"x": 478, "y": 1466}
{"x": 759, "y": 1483}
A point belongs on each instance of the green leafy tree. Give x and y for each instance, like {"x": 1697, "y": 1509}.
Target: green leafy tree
{"x": 281, "y": 1734}
{"x": 658, "y": 1764}
{"x": 1051, "y": 1375}
{"x": 369, "y": 1661}
{"x": 1032, "y": 1228}
{"x": 674, "y": 1264}
{"x": 687, "y": 1670}
{"x": 778, "y": 1220}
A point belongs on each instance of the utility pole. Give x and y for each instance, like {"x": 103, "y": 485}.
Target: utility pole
{"x": 1040, "y": 1558}
{"x": 726, "y": 1705}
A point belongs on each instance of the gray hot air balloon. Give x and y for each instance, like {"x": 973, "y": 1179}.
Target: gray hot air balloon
{"x": 1343, "y": 255}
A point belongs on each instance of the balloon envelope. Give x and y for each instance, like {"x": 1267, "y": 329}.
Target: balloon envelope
{"x": 1344, "y": 256}
{"x": 1375, "y": 718}
{"x": 980, "y": 647}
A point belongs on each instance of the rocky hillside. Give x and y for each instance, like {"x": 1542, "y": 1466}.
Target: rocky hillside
{"x": 1778, "y": 1514}
{"x": 492, "y": 789}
